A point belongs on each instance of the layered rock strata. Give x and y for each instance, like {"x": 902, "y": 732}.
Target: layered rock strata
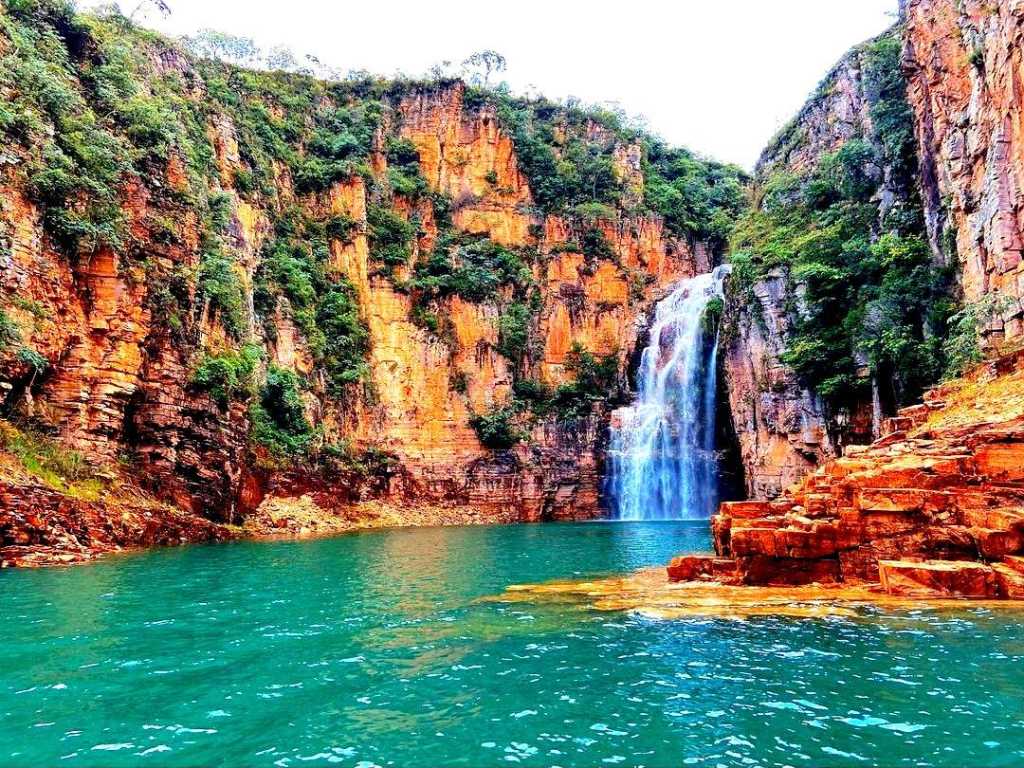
{"x": 782, "y": 426}
{"x": 43, "y": 526}
{"x": 936, "y": 506}
{"x": 964, "y": 60}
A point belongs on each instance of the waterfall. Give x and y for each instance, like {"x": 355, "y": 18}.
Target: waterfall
{"x": 662, "y": 450}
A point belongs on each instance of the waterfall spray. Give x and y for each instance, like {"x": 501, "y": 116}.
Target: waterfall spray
{"x": 662, "y": 449}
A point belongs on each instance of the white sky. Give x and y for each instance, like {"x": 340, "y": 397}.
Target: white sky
{"x": 717, "y": 76}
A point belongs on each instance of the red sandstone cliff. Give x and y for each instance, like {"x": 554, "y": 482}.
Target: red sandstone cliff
{"x": 117, "y": 353}
{"x": 933, "y": 507}
{"x": 419, "y": 415}
{"x": 936, "y": 506}
{"x": 963, "y": 60}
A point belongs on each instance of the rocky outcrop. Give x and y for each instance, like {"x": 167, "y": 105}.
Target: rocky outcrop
{"x": 838, "y": 111}
{"x": 40, "y": 525}
{"x": 784, "y": 427}
{"x": 946, "y": 578}
{"x": 781, "y": 426}
{"x": 963, "y": 60}
{"x": 946, "y": 484}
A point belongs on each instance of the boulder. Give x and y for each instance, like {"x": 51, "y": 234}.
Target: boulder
{"x": 1010, "y": 580}
{"x": 938, "y": 578}
{"x": 702, "y": 568}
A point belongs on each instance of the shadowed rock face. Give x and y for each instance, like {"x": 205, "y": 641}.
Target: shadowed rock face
{"x": 934, "y": 507}
{"x": 963, "y": 60}
{"x": 781, "y": 426}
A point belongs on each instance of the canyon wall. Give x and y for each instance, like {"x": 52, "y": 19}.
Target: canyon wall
{"x": 781, "y": 425}
{"x": 106, "y": 342}
{"x": 946, "y": 160}
{"x": 785, "y": 429}
{"x": 242, "y": 285}
{"x": 964, "y": 66}
{"x": 419, "y": 414}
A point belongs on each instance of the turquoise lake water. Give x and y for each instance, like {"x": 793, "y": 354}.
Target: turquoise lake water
{"x": 372, "y": 649}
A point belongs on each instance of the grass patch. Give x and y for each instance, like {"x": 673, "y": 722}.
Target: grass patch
{"x": 53, "y": 464}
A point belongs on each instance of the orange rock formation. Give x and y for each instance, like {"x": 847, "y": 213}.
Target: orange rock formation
{"x": 935, "y": 507}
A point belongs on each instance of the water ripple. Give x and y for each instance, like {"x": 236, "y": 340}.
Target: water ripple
{"x": 375, "y": 650}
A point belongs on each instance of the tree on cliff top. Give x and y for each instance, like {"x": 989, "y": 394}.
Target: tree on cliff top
{"x": 481, "y": 65}
{"x": 160, "y": 5}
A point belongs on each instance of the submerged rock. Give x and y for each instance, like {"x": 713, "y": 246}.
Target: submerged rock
{"x": 650, "y": 593}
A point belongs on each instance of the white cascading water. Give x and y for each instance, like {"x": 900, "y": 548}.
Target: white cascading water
{"x": 662, "y": 457}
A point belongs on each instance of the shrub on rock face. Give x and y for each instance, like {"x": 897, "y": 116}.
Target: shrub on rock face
{"x": 595, "y": 245}
{"x": 220, "y": 287}
{"x": 391, "y": 237}
{"x": 404, "y": 174}
{"x": 278, "y": 417}
{"x": 594, "y": 380}
{"x": 713, "y": 313}
{"x": 338, "y": 146}
{"x": 10, "y": 333}
{"x": 963, "y": 345}
{"x": 322, "y": 303}
{"x": 472, "y": 268}
{"x": 497, "y": 430}
{"x": 345, "y": 338}
{"x": 514, "y": 331}
{"x": 230, "y": 375}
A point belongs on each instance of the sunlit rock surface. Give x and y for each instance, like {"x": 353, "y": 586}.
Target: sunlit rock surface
{"x": 650, "y": 593}
{"x": 934, "y": 507}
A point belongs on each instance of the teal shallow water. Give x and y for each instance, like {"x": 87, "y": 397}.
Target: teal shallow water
{"x": 372, "y": 649}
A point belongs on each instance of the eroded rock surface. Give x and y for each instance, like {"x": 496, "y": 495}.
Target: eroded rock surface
{"x": 43, "y": 526}
{"x": 934, "y": 507}
{"x": 964, "y": 61}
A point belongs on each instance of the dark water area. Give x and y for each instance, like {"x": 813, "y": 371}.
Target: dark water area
{"x": 375, "y": 649}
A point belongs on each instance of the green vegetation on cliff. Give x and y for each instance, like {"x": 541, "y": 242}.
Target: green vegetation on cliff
{"x": 216, "y": 187}
{"x": 229, "y": 375}
{"x": 568, "y": 153}
{"x": 278, "y": 415}
{"x": 52, "y": 463}
{"x": 867, "y": 298}
{"x": 595, "y": 380}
